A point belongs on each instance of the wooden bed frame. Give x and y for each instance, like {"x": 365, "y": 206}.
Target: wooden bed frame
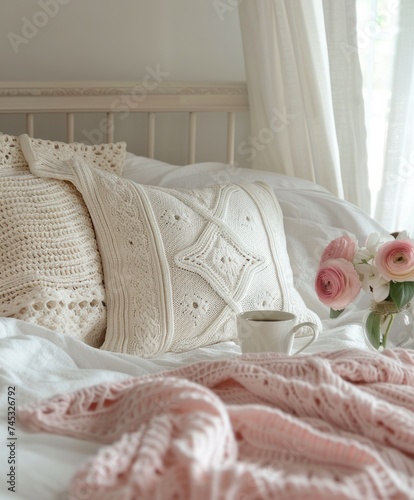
{"x": 31, "y": 98}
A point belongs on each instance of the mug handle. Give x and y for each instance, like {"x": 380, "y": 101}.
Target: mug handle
{"x": 315, "y": 335}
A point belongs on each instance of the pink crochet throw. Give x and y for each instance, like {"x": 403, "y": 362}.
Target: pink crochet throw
{"x": 262, "y": 426}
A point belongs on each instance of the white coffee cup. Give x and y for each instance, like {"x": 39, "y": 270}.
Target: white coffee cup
{"x": 271, "y": 331}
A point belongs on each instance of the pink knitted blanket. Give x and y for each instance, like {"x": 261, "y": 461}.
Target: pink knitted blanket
{"x": 265, "y": 426}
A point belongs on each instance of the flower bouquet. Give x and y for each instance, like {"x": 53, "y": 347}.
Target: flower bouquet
{"x": 384, "y": 267}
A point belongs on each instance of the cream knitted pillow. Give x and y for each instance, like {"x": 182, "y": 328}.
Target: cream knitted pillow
{"x": 50, "y": 268}
{"x": 179, "y": 264}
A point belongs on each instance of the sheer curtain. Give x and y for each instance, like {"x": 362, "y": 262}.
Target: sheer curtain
{"x": 305, "y": 93}
{"x": 386, "y": 46}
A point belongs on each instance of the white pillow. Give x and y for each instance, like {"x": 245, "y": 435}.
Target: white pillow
{"x": 157, "y": 173}
{"x": 145, "y": 170}
{"x": 312, "y": 216}
{"x": 50, "y": 267}
{"x": 179, "y": 264}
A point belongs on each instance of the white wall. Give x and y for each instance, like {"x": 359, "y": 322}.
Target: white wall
{"x": 192, "y": 40}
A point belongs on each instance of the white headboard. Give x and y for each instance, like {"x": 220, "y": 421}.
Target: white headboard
{"x": 123, "y": 98}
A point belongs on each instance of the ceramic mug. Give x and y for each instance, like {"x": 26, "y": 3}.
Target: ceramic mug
{"x": 271, "y": 331}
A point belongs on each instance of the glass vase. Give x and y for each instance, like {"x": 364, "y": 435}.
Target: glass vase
{"x": 387, "y": 327}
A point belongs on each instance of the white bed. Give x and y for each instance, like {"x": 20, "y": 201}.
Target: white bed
{"x": 39, "y": 362}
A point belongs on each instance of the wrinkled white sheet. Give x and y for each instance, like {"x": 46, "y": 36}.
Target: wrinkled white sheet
{"x": 41, "y": 363}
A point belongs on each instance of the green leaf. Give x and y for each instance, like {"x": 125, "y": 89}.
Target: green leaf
{"x": 401, "y": 293}
{"x": 373, "y": 329}
{"x": 334, "y": 314}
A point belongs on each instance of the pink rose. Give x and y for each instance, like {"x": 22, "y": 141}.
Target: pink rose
{"x": 343, "y": 247}
{"x": 337, "y": 283}
{"x": 395, "y": 260}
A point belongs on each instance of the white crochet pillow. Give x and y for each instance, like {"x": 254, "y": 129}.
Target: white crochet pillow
{"x": 179, "y": 264}
{"x": 50, "y": 267}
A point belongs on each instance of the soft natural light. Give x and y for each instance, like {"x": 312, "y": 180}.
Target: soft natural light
{"x": 377, "y": 31}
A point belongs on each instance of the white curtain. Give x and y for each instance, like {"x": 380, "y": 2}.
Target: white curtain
{"x": 305, "y": 93}
{"x": 387, "y": 45}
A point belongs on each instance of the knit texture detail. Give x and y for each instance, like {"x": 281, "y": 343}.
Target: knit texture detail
{"x": 332, "y": 425}
{"x": 179, "y": 264}
{"x": 50, "y": 268}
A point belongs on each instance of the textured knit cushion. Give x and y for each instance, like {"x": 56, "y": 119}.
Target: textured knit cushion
{"x": 179, "y": 264}
{"x": 50, "y": 267}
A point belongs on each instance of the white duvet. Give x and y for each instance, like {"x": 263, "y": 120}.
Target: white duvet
{"x": 39, "y": 363}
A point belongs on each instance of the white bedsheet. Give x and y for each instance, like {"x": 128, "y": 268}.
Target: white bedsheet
{"x": 41, "y": 363}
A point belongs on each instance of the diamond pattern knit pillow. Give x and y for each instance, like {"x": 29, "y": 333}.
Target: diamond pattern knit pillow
{"x": 50, "y": 268}
{"x": 179, "y": 264}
